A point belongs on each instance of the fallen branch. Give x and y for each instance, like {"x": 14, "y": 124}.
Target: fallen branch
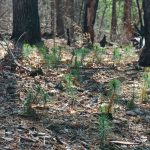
{"x": 14, "y": 58}
{"x": 31, "y": 72}
{"x": 124, "y": 142}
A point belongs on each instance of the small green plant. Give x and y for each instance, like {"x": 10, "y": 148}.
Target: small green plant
{"x": 131, "y": 103}
{"x": 27, "y": 108}
{"x": 146, "y": 78}
{"x": 104, "y": 129}
{"x": 78, "y": 56}
{"x": 34, "y": 96}
{"x": 41, "y": 94}
{"x": 115, "y": 88}
{"x": 52, "y": 58}
{"x": 116, "y": 56}
{"x": 27, "y": 50}
{"x": 42, "y": 49}
{"x": 45, "y": 98}
{"x": 98, "y": 52}
{"x": 69, "y": 83}
{"x": 145, "y": 86}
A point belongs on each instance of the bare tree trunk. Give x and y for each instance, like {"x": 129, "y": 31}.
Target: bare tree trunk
{"x": 59, "y": 19}
{"x": 103, "y": 16}
{"x": 145, "y": 55}
{"x": 89, "y": 18}
{"x": 113, "y": 22}
{"x": 26, "y": 20}
{"x": 70, "y": 13}
{"x": 127, "y": 20}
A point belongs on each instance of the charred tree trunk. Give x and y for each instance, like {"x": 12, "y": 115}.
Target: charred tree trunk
{"x": 26, "y": 21}
{"x": 145, "y": 55}
{"x": 89, "y": 18}
{"x": 59, "y": 19}
{"x": 70, "y": 14}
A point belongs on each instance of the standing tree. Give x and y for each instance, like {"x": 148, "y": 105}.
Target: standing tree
{"x": 113, "y": 22}
{"x": 26, "y": 21}
{"x": 145, "y": 55}
{"x": 127, "y": 20}
{"x": 89, "y": 17}
{"x": 69, "y": 4}
{"x": 59, "y": 17}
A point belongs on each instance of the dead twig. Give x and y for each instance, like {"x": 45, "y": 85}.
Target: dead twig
{"x": 124, "y": 142}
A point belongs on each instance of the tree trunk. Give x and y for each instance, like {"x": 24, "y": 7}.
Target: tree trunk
{"x": 145, "y": 55}
{"x": 26, "y": 21}
{"x": 102, "y": 18}
{"x": 113, "y": 22}
{"x": 59, "y": 19}
{"x": 70, "y": 14}
{"x": 52, "y": 16}
{"x": 89, "y": 17}
{"x": 127, "y": 20}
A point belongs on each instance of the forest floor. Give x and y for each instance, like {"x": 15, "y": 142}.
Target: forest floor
{"x": 70, "y": 121}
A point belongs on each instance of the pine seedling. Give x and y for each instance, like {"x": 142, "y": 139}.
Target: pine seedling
{"x": 42, "y": 95}
{"x": 34, "y": 97}
{"x": 53, "y": 58}
{"x": 27, "y": 50}
{"x": 131, "y": 103}
{"x": 27, "y": 109}
{"x": 128, "y": 51}
{"x": 69, "y": 83}
{"x": 42, "y": 49}
{"x": 115, "y": 88}
{"x": 45, "y": 98}
{"x": 78, "y": 56}
{"x": 104, "y": 129}
{"x": 116, "y": 56}
{"x": 98, "y": 52}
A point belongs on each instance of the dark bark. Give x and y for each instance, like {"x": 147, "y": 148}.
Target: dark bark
{"x": 26, "y": 21}
{"x": 89, "y": 17}
{"x": 140, "y": 14}
{"x": 113, "y": 22}
{"x": 70, "y": 14}
{"x": 145, "y": 55}
{"x": 59, "y": 17}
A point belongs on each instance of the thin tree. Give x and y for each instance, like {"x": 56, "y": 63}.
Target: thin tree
{"x": 113, "y": 21}
{"x": 26, "y": 21}
{"x": 103, "y": 16}
{"x": 70, "y": 14}
{"x": 89, "y": 17}
{"x": 127, "y": 20}
{"x": 59, "y": 17}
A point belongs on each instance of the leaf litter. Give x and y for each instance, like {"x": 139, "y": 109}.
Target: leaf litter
{"x": 71, "y": 121}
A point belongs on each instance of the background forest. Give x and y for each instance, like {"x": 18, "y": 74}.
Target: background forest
{"x": 74, "y": 75}
{"x": 103, "y": 17}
